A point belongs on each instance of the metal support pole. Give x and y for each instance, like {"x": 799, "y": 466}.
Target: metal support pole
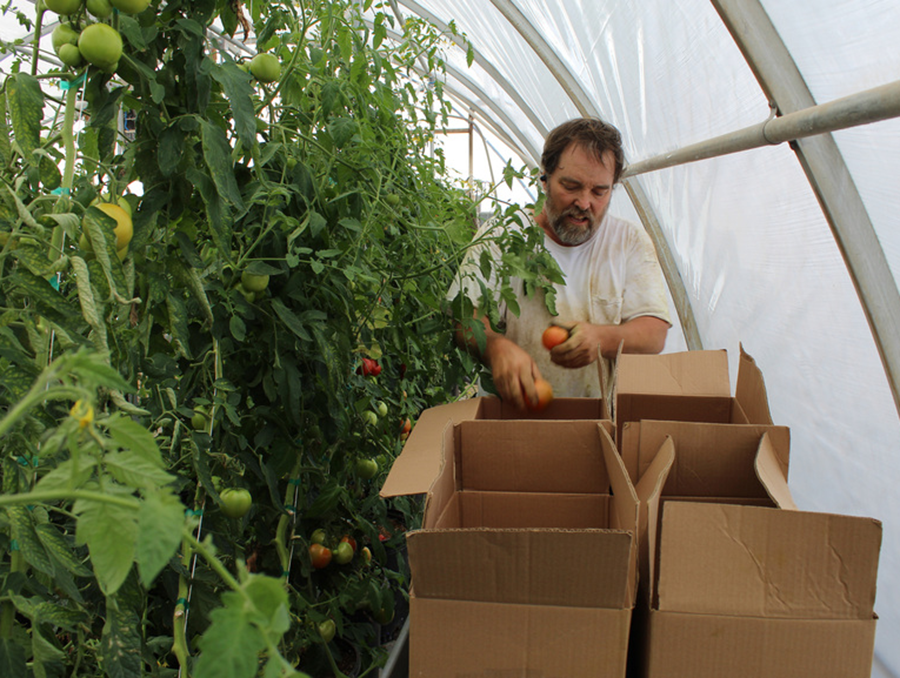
{"x": 872, "y": 105}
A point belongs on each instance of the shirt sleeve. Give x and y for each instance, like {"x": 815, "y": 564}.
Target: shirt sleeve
{"x": 645, "y": 288}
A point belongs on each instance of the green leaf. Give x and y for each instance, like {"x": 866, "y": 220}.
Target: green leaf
{"x": 342, "y": 130}
{"x": 231, "y": 645}
{"x": 131, "y": 31}
{"x": 170, "y": 149}
{"x": 33, "y": 551}
{"x": 55, "y": 544}
{"x": 110, "y": 532}
{"x": 5, "y": 136}
{"x": 133, "y": 470}
{"x": 270, "y": 601}
{"x": 132, "y": 436}
{"x": 179, "y": 325}
{"x": 26, "y": 105}
{"x": 160, "y": 519}
{"x": 292, "y": 322}
{"x": 217, "y": 154}
{"x": 122, "y": 635}
{"x": 238, "y": 90}
{"x": 48, "y": 301}
{"x": 12, "y": 659}
{"x": 238, "y": 328}
{"x": 66, "y": 476}
{"x": 46, "y": 612}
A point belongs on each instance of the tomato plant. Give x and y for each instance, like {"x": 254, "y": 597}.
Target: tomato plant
{"x": 327, "y": 187}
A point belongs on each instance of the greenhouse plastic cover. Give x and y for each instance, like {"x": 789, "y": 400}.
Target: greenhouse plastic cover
{"x": 756, "y": 253}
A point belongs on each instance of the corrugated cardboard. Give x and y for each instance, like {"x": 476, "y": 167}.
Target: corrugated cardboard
{"x": 735, "y": 581}
{"x": 687, "y": 386}
{"x": 414, "y": 470}
{"x": 526, "y": 564}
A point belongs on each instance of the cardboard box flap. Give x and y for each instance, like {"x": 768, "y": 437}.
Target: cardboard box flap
{"x": 420, "y": 461}
{"x": 750, "y": 391}
{"x": 711, "y": 460}
{"x": 493, "y": 407}
{"x": 529, "y": 567}
{"x": 695, "y": 373}
{"x": 444, "y": 485}
{"x": 648, "y": 490}
{"x": 772, "y": 473}
{"x": 531, "y": 456}
{"x": 766, "y": 562}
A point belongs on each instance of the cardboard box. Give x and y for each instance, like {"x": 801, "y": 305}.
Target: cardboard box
{"x": 687, "y": 386}
{"x": 735, "y": 580}
{"x": 526, "y": 564}
{"x": 413, "y": 471}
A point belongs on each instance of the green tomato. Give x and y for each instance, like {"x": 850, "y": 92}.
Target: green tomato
{"x": 130, "y": 6}
{"x": 99, "y": 8}
{"x": 318, "y": 537}
{"x": 63, "y": 6}
{"x": 366, "y": 468}
{"x": 70, "y": 55}
{"x": 326, "y": 630}
{"x": 392, "y": 199}
{"x": 63, "y": 34}
{"x": 101, "y": 45}
{"x": 254, "y": 283}
{"x": 235, "y": 502}
{"x": 265, "y": 67}
{"x": 343, "y": 553}
{"x": 370, "y": 418}
{"x": 199, "y": 421}
{"x": 382, "y": 409}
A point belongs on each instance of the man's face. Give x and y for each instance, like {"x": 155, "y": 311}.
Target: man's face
{"x": 578, "y": 194}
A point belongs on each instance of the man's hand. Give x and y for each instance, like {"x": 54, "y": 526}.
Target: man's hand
{"x": 513, "y": 370}
{"x": 586, "y": 342}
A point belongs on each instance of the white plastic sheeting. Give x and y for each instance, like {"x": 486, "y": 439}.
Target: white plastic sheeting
{"x": 759, "y": 263}
{"x": 754, "y": 250}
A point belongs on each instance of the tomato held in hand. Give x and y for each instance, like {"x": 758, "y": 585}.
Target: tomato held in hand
{"x": 545, "y": 395}
{"x": 554, "y": 336}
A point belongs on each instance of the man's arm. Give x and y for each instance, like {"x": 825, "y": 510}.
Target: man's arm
{"x": 512, "y": 368}
{"x": 644, "y": 334}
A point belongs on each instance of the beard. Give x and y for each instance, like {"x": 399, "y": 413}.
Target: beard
{"x": 568, "y": 233}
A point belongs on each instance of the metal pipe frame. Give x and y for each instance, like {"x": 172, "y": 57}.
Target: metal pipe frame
{"x": 872, "y": 105}
{"x": 831, "y": 181}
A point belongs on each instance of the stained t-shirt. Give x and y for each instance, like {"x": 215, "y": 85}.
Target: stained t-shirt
{"x": 610, "y": 279}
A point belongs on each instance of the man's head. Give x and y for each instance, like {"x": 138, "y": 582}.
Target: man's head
{"x": 582, "y": 161}
{"x": 594, "y": 136}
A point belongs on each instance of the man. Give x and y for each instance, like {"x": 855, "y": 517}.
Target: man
{"x": 614, "y": 292}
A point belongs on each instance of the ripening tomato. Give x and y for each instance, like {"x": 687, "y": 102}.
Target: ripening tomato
{"x": 349, "y": 540}
{"x": 554, "y": 336}
{"x": 545, "y": 395}
{"x": 319, "y": 555}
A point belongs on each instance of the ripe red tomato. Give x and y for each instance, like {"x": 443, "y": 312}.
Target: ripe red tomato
{"x": 545, "y": 395}
{"x": 319, "y": 555}
{"x": 554, "y": 336}
{"x": 369, "y": 368}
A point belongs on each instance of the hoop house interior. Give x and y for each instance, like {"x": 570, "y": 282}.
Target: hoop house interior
{"x": 788, "y": 249}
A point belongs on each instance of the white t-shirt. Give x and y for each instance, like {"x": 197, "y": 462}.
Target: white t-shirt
{"x": 610, "y": 279}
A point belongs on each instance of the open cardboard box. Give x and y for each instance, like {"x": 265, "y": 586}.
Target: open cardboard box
{"x": 526, "y": 563}
{"x": 420, "y": 462}
{"x": 687, "y": 386}
{"x": 735, "y": 581}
